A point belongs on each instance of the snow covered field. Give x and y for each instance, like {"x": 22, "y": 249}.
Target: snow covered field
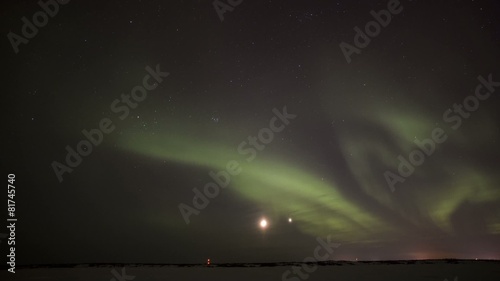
{"x": 342, "y": 271}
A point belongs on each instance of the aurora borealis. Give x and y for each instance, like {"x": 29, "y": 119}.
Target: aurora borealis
{"x": 320, "y": 174}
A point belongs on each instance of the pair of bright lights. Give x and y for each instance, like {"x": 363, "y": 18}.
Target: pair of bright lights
{"x": 263, "y": 223}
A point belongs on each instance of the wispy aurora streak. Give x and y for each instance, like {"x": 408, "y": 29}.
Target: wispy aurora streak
{"x": 319, "y": 205}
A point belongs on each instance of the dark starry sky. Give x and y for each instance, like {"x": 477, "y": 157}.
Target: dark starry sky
{"x": 326, "y": 169}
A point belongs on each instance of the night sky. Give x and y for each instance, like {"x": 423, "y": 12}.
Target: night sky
{"x": 328, "y": 166}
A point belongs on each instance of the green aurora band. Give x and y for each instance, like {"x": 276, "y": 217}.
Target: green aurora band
{"x": 319, "y": 207}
